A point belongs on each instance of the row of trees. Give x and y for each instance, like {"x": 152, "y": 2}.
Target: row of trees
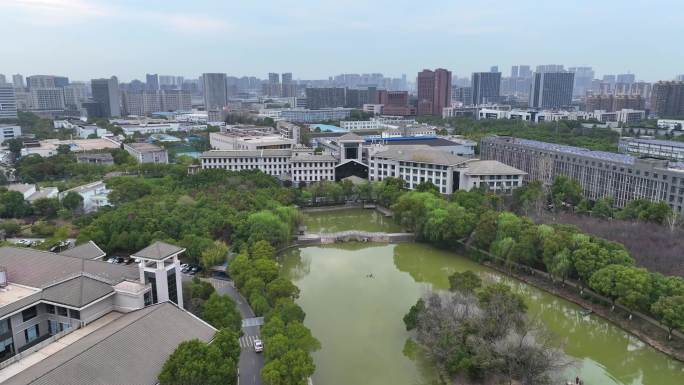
{"x": 562, "y": 132}
{"x": 484, "y": 333}
{"x": 562, "y": 251}
{"x": 567, "y": 194}
{"x": 288, "y": 343}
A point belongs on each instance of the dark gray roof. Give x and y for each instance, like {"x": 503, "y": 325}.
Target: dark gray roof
{"x": 129, "y": 350}
{"x": 421, "y": 154}
{"x": 87, "y": 250}
{"x": 77, "y": 292}
{"x": 40, "y": 269}
{"x": 158, "y": 250}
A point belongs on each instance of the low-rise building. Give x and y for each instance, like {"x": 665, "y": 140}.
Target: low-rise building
{"x": 9, "y": 131}
{"x": 298, "y": 165}
{"x": 104, "y": 158}
{"x": 249, "y": 141}
{"x": 95, "y": 195}
{"x": 416, "y": 164}
{"x": 85, "y": 131}
{"x": 601, "y": 174}
{"x": 300, "y": 115}
{"x": 32, "y": 192}
{"x": 147, "y": 153}
{"x": 665, "y": 149}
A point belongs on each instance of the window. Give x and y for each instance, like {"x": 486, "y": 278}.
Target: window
{"x": 31, "y": 334}
{"x": 29, "y": 313}
{"x": 50, "y": 308}
{"x": 75, "y": 314}
{"x": 62, "y": 311}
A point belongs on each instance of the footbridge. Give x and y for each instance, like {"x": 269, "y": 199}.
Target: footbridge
{"x": 354, "y": 236}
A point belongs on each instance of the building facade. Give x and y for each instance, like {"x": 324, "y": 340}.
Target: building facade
{"x": 215, "y": 91}
{"x": 106, "y": 92}
{"x": 552, "y": 90}
{"x": 668, "y": 99}
{"x": 485, "y": 87}
{"x": 8, "y": 102}
{"x": 601, "y": 174}
{"x": 434, "y": 91}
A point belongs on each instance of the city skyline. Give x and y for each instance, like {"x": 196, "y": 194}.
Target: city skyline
{"x": 131, "y": 39}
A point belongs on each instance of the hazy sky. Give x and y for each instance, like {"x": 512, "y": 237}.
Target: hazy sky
{"x": 83, "y": 39}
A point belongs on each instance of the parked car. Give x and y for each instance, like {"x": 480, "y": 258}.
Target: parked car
{"x": 258, "y": 346}
{"x": 111, "y": 260}
{"x": 119, "y": 260}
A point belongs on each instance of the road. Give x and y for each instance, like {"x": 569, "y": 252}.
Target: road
{"x": 250, "y": 362}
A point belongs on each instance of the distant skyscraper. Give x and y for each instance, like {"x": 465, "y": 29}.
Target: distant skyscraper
{"x": 40, "y": 81}
{"x": 152, "y": 82}
{"x": 288, "y": 87}
{"x": 494, "y": 69}
{"x": 680, "y": 78}
{"x": 272, "y": 88}
{"x": 18, "y": 81}
{"x": 486, "y": 87}
{"x": 525, "y": 71}
{"x": 625, "y": 78}
{"x": 8, "y": 102}
{"x": 434, "y": 91}
{"x": 515, "y": 71}
{"x": 48, "y": 99}
{"x": 667, "y": 99}
{"x": 552, "y": 90}
{"x": 550, "y": 68}
{"x": 610, "y": 79}
{"x": 325, "y": 97}
{"x": 3, "y": 80}
{"x": 215, "y": 91}
{"x": 106, "y": 92}
{"x": 583, "y": 78}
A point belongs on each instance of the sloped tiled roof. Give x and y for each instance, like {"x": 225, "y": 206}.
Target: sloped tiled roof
{"x": 129, "y": 350}
{"x": 77, "y": 292}
{"x": 158, "y": 250}
{"x": 87, "y": 250}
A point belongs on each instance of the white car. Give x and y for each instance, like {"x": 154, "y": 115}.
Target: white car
{"x": 258, "y": 346}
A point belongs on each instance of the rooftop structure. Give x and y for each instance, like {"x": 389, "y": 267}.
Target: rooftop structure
{"x": 147, "y": 152}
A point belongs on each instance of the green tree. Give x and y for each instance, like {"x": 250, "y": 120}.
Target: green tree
{"x": 72, "y": 201}
{"x": 566, "y": 190}
{"x": 670, "y": 311}
{"x": 411, "y": 318}
{"x": 14, "y": 146}
{"x": 46, "y": 207}
{"x": 195, "y": 362}
{"x": 603, "y": 208}
{"x": 13, "y": 205}
{"x": 214, "y": 255}
{"x": 220, "y": 311}
{"x": 262, "y": 249}
{"x": 465, "y": 282}
{"x": 281, "y": 288}
{"x": 226, "y": 340}
{"x": 485, "y": 231}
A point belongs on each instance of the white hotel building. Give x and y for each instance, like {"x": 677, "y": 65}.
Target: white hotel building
{"x": 418, "y": 163}
{"x": 299, "y": 165}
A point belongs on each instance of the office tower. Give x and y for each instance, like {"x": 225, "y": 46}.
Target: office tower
{"x": 680, "y": 78}
{"x": 176, "y": 100}
{"x": 106, "y": 92}
{"x": 272, "y": 87}
{"x": 40, "y": 81}
{"x": 486, "y": 87}
{"x": 152, "y": 82}
{"x": 3, "y": 80}
{"x": 667, "y": 99}
{"x": 525, "y": 71}
{"x": 612, "y": 103}
{"x": 494, "y": 69}
{"x": 550, "y": 68}
{"x": 325, "y": 97}
{"x": 583, "y": 78}
{"x": 48, "y": 99}
{"x": 610, "y": 79}
{"x": 215, "y": 91}
{"x": 288, "y": 88}
{"x": 515, "y": 71}
{"x": 61, "y": 81}
{"x": 8, "y": 102}
{"x": 18, "y": 81}
{"x": 463, "y": 94}
{"x": 625, "y": 78}
{"x": 434, "y": 91}
{"x": 394, "y": 102}
{"x": 552, "y": 90}
{"x": 357, "y": 97}
{"x": 74, "y": 94}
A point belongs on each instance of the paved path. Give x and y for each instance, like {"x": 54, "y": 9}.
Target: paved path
{"x": 250, "y": 362}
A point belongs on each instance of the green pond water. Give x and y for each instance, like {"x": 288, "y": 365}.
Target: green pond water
{"x": 359, "y": 320}
{"x": 349, "y": 219}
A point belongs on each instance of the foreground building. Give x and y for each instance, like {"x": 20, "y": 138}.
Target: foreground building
{"x": 601, "y": 174}
{"x": 46, "y": 296}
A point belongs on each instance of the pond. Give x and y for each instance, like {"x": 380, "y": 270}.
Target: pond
{"x": 330, "y": 221}
{"x": 359, "y": 320}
